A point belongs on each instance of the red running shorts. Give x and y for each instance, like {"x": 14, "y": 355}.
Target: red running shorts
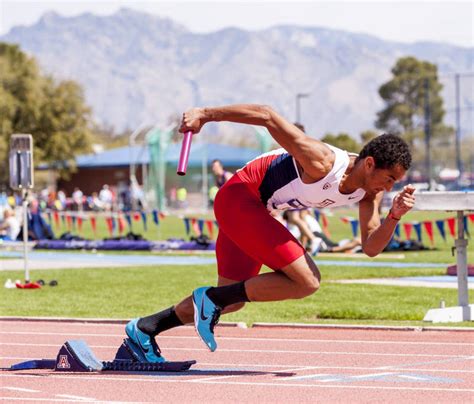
{"x": 248, "y": 235}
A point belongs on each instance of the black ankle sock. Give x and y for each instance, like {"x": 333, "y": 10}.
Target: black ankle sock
{"x": 159, "y": 322}
{"x": 224, "y": 296}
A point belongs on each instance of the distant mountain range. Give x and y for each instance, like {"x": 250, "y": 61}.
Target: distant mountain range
{"x": 137, "y": 67}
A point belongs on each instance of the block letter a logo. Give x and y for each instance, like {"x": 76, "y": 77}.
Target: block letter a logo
{"x": 63, "y": 362}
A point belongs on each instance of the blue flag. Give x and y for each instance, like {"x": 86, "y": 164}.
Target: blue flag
{"x": 201, "y": 224}
{"x": 417, "y": 227}
{"x": 440, "y": 226}
{"x": 355, "y": 227}
{"x": 156, "y": 218}
{"x": 397, "y": 230}
{"x": 465, "y": 226}
{"x": 129, "y": 220}
{"x": 186, "y": 225}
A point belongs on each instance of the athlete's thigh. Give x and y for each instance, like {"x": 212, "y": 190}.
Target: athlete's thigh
{"x": 302, "y": 270}
{"x": 232, "y": 262}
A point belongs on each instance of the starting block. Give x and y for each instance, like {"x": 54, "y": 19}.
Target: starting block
{"x": 76, "y": 356}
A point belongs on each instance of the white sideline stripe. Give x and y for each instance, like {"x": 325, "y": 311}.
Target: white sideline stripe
{"x": 304, "y": 376}
{"x": 104, "y": 378}
{"x": 268, "y": 351}
{"x": 63, "y": 400}
{"x": 371, "y": 375}
{"x": 49, "y": 400}
{"x": 20, "y": 389}
{"x": 268, "y": 371}
{"x": 334, "y": 379}
{"x": 334, "y": 341}
{"x": 303, "y": 367}
{"x": 77, "y": 397}
{"x": 412, "y": 377}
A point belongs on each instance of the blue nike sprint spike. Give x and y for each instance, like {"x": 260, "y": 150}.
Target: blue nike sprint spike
{"x": 206, "y": 316}
{"x": 146, "y": 343}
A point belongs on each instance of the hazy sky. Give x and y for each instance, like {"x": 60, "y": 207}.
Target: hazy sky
{"x": 404, "y": 21}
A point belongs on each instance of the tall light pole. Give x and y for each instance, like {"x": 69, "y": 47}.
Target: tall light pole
{"x": 298, "y": 98}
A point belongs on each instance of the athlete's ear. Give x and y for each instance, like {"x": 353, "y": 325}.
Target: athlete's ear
{"x": 369, "y": 164}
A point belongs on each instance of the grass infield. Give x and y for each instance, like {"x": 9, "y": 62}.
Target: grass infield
{"x": 137, "y": 291}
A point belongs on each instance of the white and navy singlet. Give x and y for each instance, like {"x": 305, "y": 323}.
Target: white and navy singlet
{"x": 274, "y": 175}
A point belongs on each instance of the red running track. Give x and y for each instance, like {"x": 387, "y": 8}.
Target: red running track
{"x": 255, "y": 365}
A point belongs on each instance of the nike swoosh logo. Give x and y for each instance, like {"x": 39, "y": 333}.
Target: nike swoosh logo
{"x": 353, "y": 197}
{"x": 203, "y": 316}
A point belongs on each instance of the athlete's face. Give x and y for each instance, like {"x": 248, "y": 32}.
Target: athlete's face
{"x": 381, "y": 179}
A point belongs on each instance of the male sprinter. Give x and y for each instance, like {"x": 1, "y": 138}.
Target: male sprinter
{"x": 306, "y": 173}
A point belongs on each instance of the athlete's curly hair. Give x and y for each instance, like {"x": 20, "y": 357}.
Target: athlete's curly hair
{"x": 387, "y": 150}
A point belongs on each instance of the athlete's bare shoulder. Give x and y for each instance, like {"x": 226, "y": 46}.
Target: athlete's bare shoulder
{"x": 315, "y": 158}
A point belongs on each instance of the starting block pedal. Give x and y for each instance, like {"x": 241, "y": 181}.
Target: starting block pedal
{"x": 76, "y": 356}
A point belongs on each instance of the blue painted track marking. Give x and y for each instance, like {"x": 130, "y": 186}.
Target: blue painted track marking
{"x": 191, "y": 259}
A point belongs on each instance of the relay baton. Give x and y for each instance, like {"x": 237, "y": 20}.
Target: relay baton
{"x": 184, "y": 156}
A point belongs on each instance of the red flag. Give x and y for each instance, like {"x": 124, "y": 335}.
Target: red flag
{"x": 407, "y": 227}
{"x": 210, "y": 227}
{"x": 471, "y": 218}
{"x": 195, "y": 226}
{"x": 121, "y": 224}
{"x": 452, "y": 226}
{"x": 94, "y": 225}
{"x": 136, "y": 216}
{"x": 429, "y": 230}
{"x": 56, "y": 218}
{"x": 69, "y": 222}
{"x": 325, "y": 225}
{"x": 110, "y": 225}
{"x": 79, "y": 224}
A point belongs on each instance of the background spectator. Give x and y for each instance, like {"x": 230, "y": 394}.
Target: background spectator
{"x": 10, "y": 226}
{"x": 221, "y": 176}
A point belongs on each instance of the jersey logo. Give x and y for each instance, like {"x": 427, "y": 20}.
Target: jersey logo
{"x": 326, "y": 186}
{"x": 324, "y": 203}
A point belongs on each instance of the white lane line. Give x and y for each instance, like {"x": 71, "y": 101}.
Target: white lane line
{"x": 20, "y": 389}
{"x": 413, "y": 377}
{"x": 249, "y": 371}
{"x": 63, "y": 400}
{"x": 103, "y": 378}
{"x": 305, "y": 376}
{"x": 49, "y": 400}
{"x": 80, "y": 398}
{"x": 267, "y": 351}
{"x": 332, "y": 341}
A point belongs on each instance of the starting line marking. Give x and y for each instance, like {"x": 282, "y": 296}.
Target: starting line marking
{"x": 334, "y": 341}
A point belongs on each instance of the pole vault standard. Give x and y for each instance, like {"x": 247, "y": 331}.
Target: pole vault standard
{"x": 458, "y": 202}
